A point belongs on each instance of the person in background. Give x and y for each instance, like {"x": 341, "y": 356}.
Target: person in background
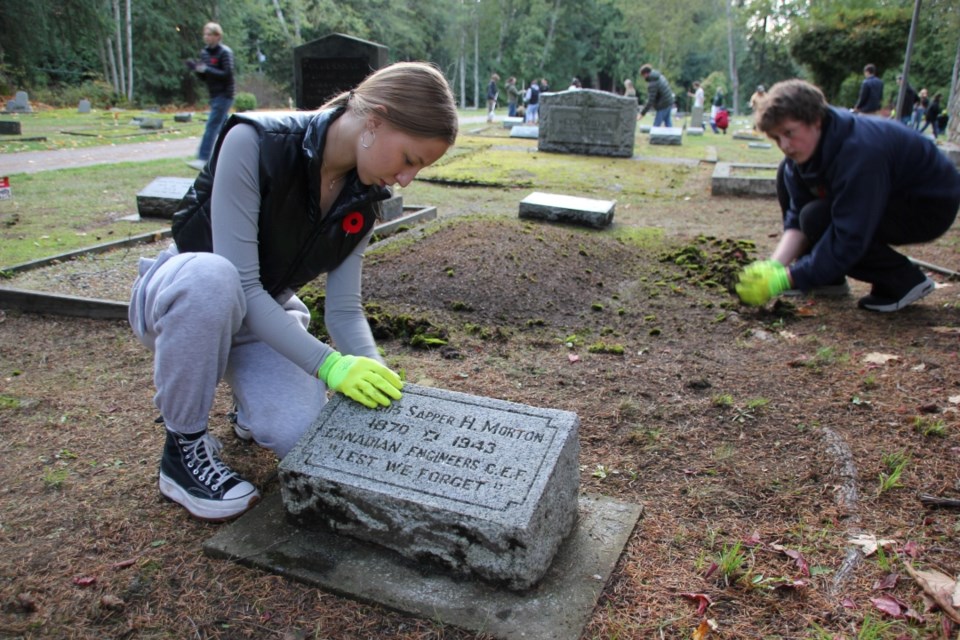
{"x": 532, "y": 103}
{"x": 575, "y": 84}
{"x": 755, "y": 100}
{"x": 839, "y": 218}
{"x": 659, "y": 97}
{"x": 931, "y": 116}
{"x": 920, "y": 108}
{"x": 284, "y": 198}
{"x": 871, "y": 93}
{"x": 216, "y": 68}
{"x": 715, "y": 106}
{"x": 513, "y": 97}
{"x": 493, "y": 92}
{"x": 697, "y": 95}
{"x": 909, "y": 99}
{"x": 629, "y": 90}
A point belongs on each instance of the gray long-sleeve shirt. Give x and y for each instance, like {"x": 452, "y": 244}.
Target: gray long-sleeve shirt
{"x": 235, "y": 217}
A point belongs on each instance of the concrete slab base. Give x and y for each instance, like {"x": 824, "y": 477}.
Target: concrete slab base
{"x": 725, "y": 183}
{"x": 559, "y": 607}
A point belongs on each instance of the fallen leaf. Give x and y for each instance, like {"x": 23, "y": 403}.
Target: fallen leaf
{"x": 111, "y": 602}
{"x": 703, "y": 601}
{"x": 123, "y": 564}
{"x": 879, "y": 358}
{"x": 939, "y": 583}
{"x": 84, "y": 581}
{"x": 896, "y": 608}
{"x": 912, "y": 549}
{"x": 888, "y": 581}
{"x": 868, "y": 543}
{"x": 848, "y": 603}
{"x": 711, "y": 569}
{"x": 703, "y": 629}
{"x": 954, "y": 399}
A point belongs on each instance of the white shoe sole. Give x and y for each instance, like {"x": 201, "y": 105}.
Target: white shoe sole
{"x": 209, "y": 510}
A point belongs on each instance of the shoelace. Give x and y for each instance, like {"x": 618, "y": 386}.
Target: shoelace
{"x": 209, "y": 467}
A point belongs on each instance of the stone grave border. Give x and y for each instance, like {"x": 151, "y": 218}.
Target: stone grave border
{"x": 723, "y": 183}
{"x": 28, "y": 301}
{"x": 559, "y": 607}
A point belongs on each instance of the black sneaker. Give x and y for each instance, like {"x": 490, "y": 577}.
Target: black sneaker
{"x": 192, "y": 475}
{"x": 882, "y": 304}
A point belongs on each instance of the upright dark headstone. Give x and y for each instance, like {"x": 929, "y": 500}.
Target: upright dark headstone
{"x": 587, "y": 121}
{"x": 333, "y": 64}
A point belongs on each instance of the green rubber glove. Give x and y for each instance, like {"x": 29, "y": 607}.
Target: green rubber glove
{"x": 362, "y": 379}
{"x": 762, "y": 280}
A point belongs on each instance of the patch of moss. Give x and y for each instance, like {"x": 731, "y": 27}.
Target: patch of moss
{"x": 603, "y": 347}
{"x": 712, "y": 262}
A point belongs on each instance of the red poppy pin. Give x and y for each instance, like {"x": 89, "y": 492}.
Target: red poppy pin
{"x": 353, "y": 222}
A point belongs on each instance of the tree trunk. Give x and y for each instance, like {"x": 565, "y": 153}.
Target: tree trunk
{"x": 462, "y": 67}
{"x": 548, "y": 41}
{"x": 129, "y": 51}
{"x": 281, "y": 20}
{"x": 476, "y": 58}
{"x": 122, "y": 87}
{"x": 113, "y": 66}
{"x": 953, "y": 104}
{"x": 732, "y": 56}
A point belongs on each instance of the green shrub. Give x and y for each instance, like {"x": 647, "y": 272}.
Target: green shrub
{"x": 245, "y": 102}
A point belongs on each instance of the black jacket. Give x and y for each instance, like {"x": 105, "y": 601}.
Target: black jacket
{"x": 219, "y": 72}
{"x": 295, "y": 244}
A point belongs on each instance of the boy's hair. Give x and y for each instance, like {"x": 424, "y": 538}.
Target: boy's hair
{"x": 872, "y": 70}
{"x": 645, "y": 69}
{"x": 793, "y": 99}
{"x": 213, "y": 28}
{"x": 413, "y": 97}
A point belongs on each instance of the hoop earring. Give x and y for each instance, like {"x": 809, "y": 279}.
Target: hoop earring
{"x": 372, "y": 140}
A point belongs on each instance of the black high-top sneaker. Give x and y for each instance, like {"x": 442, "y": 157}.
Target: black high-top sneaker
{"x": 192, "y": 475}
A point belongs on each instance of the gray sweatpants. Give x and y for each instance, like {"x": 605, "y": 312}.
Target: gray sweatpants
{"x": 188, "y": 309}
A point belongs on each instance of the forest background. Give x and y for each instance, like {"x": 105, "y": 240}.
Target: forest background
{"x": 132, "y": 52}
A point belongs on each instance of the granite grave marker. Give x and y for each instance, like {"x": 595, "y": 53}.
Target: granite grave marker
{"x": 20, "y": 103}
{"x": 332, "y": 64}
{"x": 573, "y": 209}
{"x": 474, "y": 486}
{"x": 83, "y": 106}
{"x": 589, "y": 122}
{"x": 161, "y": 198}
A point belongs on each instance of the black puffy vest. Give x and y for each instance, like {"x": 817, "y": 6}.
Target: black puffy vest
{"x": 296, "y": 245}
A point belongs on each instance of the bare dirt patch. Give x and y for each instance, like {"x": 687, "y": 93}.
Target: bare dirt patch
{"x": 753, "y": 435}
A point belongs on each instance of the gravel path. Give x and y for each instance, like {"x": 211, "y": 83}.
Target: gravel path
{"x": 35, "y": 161}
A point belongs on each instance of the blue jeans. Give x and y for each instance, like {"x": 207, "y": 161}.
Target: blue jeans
{"x": 662, "y": 118}
{"x": 219, "y": 110}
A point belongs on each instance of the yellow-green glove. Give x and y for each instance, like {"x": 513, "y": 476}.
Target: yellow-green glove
{"x": 762, "y": 280}
{"x": 362, "y": 379}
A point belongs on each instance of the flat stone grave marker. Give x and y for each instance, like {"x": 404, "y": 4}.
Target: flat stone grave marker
{"x": 509, "y": 123}
{"x": 525, "y": 131}
{"x": 645, "y": 128}
{"x": 744, "y": 179}
{"x": 666, "y": 135}
{"x": 183, "y": 117}
{"x": 759, "y": 145}
{"x": 161, "y": 198}
{"x": 572, "y": 209}
{"x": 334, "y": 63}
{"x": 440, "y": 471}
{"x": 83, "y": 106}
{"x": 475, "y": 486}
{"x": 589, "y": 122}
{"x": 151, "y": 123}
{"x": 694, "y": 131}
{"x": 10, "y": 127}
{"x": 746, "y": 135}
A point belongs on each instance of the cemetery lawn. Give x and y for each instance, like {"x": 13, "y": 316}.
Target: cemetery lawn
{"x": 760, "y": 442}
